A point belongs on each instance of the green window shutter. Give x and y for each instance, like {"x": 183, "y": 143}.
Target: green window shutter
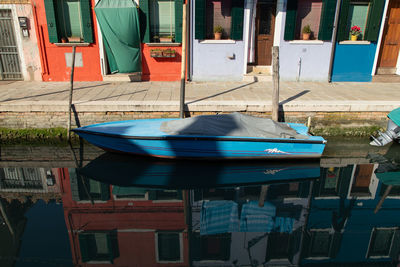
{"x": 86, "y": 246}
{"x": 51, "y": 21}
{"x": 105, "y": 191}
{"x": 344, "y": 181}
{"x": 342, "y": 33}
{"x": 305, "y": 248}
{"x": 374, "y": 20}
{"x": 144, "y": 21}
{"x": 335, "y": 245}
{"x": 87, "y": 26}
{"x": 290, "y": 23}
{"x": 200, "y": 19}
{"x": 304, "y": 189}
{"x": 395, "y": 249}
{"x": 178, "y": 20}
{"x": 237, "y": 19}
{"x": 327, "y": 19}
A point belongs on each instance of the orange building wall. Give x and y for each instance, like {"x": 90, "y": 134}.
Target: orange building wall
{"x": 161, "y": 69}
{"x": 53, "y": 57}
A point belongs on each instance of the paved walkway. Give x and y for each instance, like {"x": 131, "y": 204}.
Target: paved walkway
{"x": 210, "y": 96}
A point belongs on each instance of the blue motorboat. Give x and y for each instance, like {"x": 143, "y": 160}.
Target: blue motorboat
{"x": 227, "y": 136}
{"x": 128, "y": 171}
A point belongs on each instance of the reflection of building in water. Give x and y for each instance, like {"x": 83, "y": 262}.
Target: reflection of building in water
{"x": 239, "y": 228}
{"x": 33, "y": 183}
{"x": 342, "y": 226}
{"x": 329, "y": 220}
{"x": 27, "y": 225}
{"x": 125, "y": 226}
{"x": 12, "y": 226}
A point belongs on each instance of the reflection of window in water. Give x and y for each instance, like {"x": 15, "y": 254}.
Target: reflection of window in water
{"x": 362, "y": 180}
{"x": 383, "y": 242}
{"x": 321, "y": 243}
{"x": 21, "y": 178}
{"x": 334, "y": 182}
{"x": 394, "y": 191}
{"x": 212, "y": 247}
{"x": 169, "y": 247}
{"x": 98, "y": 246}
{"x": 278, "y": 246}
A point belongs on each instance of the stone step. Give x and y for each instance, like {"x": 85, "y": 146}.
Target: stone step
{"x": 123, "y": 77}
{"x": 386, "y": 71}
{"x": 259, "y": 70}
{"x": 386, "y": 78}
{"x": 257, "y": 78}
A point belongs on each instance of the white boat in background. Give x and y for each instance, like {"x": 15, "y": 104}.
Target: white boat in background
{"x": 392, "y": 130}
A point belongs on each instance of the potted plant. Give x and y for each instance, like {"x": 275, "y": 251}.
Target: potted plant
{"x": 355, "y": 31}
{"x": 166, "y": 39}
{"x": 306, "y": 32}
{"x": 169, "y": 53}
{"x": 156, "y": 39}
{"x": 156, "y": 52}
{"x": 218, "y": 32}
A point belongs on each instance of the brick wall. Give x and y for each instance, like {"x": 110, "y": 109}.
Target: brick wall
{"x": 21, "y": 120}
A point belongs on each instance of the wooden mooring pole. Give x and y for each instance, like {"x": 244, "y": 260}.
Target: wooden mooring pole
{"x": 70, "y": 93}
{"x": 275, "y": 108}
{"x": 183, "y": 63}
{"x": 275, "y": 75}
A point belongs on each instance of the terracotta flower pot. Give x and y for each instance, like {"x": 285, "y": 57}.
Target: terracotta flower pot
{"x": 306, "y": 36}
{"x": 217, "y": 35}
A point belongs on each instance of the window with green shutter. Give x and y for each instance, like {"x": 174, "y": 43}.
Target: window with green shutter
{"x": 98, "y": 246}
{"x": 365, "y": 14}
{"x": 161, "y": 20}
{"x": 169, "y": 247}
{"x": 318, "y": 15}
{"x": 227, "y": 15}
{"x": 69, "y": 21}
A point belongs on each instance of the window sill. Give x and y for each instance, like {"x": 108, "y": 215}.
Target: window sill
{"x": 163, "y": 44}
{"x": 71, "y": 44}
{"x": 227, "y": 41}
{"x": 355, "y": 42}
{"x": 309, "y": 42}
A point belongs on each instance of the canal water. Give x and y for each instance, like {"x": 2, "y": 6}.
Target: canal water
{"x": 79, "y": 206}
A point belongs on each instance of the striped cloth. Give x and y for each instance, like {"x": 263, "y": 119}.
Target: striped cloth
{"x": 257, "y": 219}
{"x": 283, "y": 224}
{"x": 219, "y": 216}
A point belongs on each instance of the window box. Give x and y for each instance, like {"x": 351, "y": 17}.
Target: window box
{"x": 156, "y": 53}
{"x": 169, "y": 53}
{"x": 69, "y": 21}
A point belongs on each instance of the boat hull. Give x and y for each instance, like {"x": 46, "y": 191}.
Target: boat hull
{"x": 207, "y": 148}
{"x": 188, "y": 174}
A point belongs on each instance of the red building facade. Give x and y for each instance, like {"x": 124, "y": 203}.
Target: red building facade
{"x": 123, "y": 226}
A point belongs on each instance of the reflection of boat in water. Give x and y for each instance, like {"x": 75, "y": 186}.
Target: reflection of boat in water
{"x": 388, "y": 171}
{"x": 228, "y": 136}
{"x": 132, "y": 171}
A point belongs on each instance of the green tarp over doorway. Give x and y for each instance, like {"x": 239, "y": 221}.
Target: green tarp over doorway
{"x": 119, "y": 24}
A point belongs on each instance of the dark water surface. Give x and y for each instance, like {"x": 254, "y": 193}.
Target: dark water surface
{"x": 78, "y": 206}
